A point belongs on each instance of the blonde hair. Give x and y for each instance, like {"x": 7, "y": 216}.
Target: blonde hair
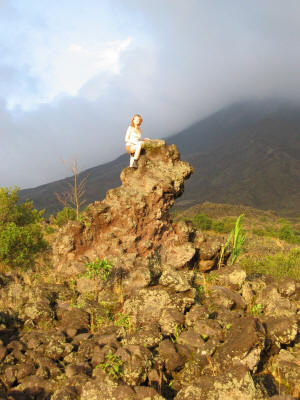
{"x": 135, "y": 115}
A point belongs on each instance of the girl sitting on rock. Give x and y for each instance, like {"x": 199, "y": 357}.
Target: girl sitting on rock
{"x": 134, "y": 144}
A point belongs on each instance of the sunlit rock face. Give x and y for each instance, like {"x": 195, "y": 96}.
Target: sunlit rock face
{"x": 132, "y": 225}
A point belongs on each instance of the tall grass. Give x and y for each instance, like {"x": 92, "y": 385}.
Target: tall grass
{"x": 278, "y": 265}
{"x": 285, "y": 232}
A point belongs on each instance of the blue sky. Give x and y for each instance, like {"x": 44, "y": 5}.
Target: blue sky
{"x": 72, "y": 73}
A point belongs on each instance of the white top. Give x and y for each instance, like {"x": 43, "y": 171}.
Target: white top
{"x": 132, "y": 136}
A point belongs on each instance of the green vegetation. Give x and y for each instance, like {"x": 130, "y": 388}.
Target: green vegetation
{"x": 235, "y": 242}
{"x": 123, "y": 320}
{"x": 267, "y": 225}
{"x": 205, "y": 223}
{"x": 204, "y": 337}
{"x": 65, "y": 215}
{"x": 278, "y": 265}
{"x": 284, "y": 232}
{"x": 97, "y": 321}
{"x": 177, "y": 331}
{"x": 256, "y": 309}
{"x": 238, "y": 239}
{"x": 21, "y": 237}
{"x": 98, "y": 268}
{"x": 112, "y": 365}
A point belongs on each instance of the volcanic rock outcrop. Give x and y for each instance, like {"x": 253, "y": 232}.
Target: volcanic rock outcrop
{"x": 132, "y": 225}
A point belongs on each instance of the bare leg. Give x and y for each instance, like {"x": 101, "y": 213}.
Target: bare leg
{"x": 138, "y": 149}
{"x": 131, "y": 160}
{"x": 134, "y": 150}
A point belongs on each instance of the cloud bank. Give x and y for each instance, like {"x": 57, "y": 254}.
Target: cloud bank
{"x": 72, "y": 74}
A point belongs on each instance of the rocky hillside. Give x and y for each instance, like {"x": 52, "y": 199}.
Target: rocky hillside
{"x": 247, "y": 154}
{"x": 132, "y": 306}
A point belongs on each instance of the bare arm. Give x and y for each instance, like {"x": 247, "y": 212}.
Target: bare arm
{"x": 128, "y": 134}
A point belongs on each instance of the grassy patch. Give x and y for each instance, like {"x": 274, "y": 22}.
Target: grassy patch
{"x": 284, "y": 232}
{"x": 278, "y": 265}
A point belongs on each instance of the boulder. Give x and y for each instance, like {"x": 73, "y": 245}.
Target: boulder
{"x": 147, "y": 305}
{"x": 222, "y": 296}
{"x": 285, "y": 368}
{"x": 172, "y": 360}
{"x": 232, "y": 276}
{"x": 178, "y": 280}
{"x": 147, "y": 336}
{"x": 280, "y": 330}
{"x": 170, "y": 320}
{"x": 236, "y": 384}
{"x": 136, "y": 363}
{"x": 244, "y": 343}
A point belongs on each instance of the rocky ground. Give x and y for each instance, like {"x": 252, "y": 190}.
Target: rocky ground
{"x": 162, "y": 319}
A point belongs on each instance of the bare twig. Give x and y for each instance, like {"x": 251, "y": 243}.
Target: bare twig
{"x": 73, "y": 197}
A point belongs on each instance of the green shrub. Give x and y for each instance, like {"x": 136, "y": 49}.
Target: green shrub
{"x": 20, "y": 214}
{"x": 205, "y": 223}
{"x": 97, "y": 268}
{"x": 65, "y": 215}
{"x": 286, "y": 233}
{"x": 112, "y": 365}
{"x": 21, "y": 237}
{"x": 123, "y": 320}
{"x": 202, "y": 222}
{"x": 49, "y": 230}
{"x": 218, "y": 226}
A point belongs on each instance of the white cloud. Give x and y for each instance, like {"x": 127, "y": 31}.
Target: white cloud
{"x": 63, "y": 70}
{"x": 71, "y": 69}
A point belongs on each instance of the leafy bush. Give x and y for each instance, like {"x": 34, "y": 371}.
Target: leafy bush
{"x": 112, "y": 365}
{"x": 202, "y": 222}
{"x": 49, "y": 230}
{"x": 97, "y": 268}
{"x": 20, "y": 231}
{"x": 65, "y": 215}
{"x": 20, "y": 214}
{"x": 286, "y": 233}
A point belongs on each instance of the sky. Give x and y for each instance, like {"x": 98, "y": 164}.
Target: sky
{"x": 72, "y": 73}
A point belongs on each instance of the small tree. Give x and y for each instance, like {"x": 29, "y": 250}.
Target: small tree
{"x": 73, "y": 196}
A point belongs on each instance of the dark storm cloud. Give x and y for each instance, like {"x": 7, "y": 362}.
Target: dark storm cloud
{"x": 201, "y": 56}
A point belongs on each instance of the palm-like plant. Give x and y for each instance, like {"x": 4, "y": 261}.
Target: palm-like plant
{"x": 238, "y": 239}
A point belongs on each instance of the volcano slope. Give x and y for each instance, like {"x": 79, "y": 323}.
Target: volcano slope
{"x": 135, "y": 306}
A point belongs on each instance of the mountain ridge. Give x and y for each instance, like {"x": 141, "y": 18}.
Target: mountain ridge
{"x": 247, "y": 153}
